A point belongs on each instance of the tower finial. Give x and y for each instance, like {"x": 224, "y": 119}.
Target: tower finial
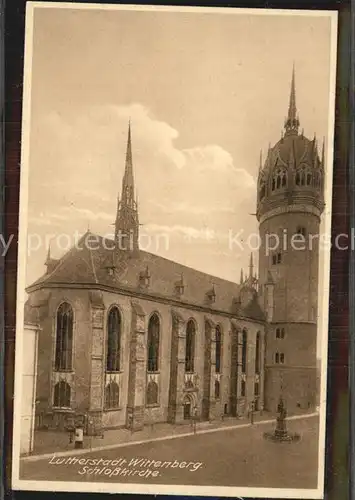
{"x": 251, "y": 266}
{"x": 241, "y": 276}
{"x": 292, "y": 121}
{"x": 48, "y": 259}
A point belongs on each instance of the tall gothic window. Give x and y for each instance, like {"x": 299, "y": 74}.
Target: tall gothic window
{"x": 244, "y": 351}
{"x": 152, "y": 393}
{"x": 153, "y": 344}
{"x": 114, "y": 326}
{"x": 112, "y": 395}
{"x": 62, "y": 394}
{"x": 64, "y": 338}
{"x": 190, "y": 347}
{"x": 257, "y": 353}
{"x": 218, "y": 349}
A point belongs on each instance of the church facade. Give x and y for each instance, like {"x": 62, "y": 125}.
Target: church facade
{"x": 128, "y": 338}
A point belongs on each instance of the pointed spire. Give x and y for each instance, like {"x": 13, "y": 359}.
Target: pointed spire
{"x": 241, "y": 277}
{"x": 292, "y": 121}
{"x": 48, "y": 259}
{"x": 127, "y": 223}
{"x": 127, "y": 195}
{"x": 251, "y": 266}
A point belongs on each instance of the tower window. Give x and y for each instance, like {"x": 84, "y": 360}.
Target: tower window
{"x": 280, "y": 333}
{"x": 243, "y": 389}
{"x": 301, "y": 230}
{"x": 276, "y": 258}
{"x": 279, "y": 179}
{"x": 279, "y": 358}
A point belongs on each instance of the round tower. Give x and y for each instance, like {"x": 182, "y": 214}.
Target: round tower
{"x": 290, "y": 202}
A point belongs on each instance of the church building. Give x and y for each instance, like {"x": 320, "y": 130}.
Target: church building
{"x": 129, "y": 338}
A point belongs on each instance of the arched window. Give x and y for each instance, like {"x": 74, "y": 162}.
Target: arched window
{"x": 278, "y": 333}
{"x": 277, "y": 358}
{"x": 153, "y": 344}
{"x": 244, "y": 351}
{"x": 113, "y": 358}
{"x": 243, "y": 389}
{"x": 217, "y": 388}
{"x": 62, "y": 394}
{"x": 190, "y": 347}
{"x": 309, "y": 179}
{"x": 257, "y": 353}
{"x": 279, "y": 179}
{"x": 112, "y": 395}
{"x": 152, "y": 393}
{"x": 64, "y": 338}
{"x": 218, "y": 349}
{"x": 256, "y": 389}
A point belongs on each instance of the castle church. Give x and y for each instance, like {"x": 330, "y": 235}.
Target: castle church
{"x": 129, "y": 338}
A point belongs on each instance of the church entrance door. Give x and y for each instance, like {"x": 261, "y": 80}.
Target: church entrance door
{"x": 187, "y": 409}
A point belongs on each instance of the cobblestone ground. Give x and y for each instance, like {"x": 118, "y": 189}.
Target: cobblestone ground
{"x": 238, "y": 457}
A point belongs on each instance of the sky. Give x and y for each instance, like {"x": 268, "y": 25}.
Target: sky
{"x": 205, "y": 93}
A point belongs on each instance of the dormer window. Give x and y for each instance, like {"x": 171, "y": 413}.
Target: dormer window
{"x": 180, "y": 286}
{"x": 144, "y": 278}
{"x": 211, "y": 295}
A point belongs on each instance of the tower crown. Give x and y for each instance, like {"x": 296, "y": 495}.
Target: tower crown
{"x": 293, "y": 171}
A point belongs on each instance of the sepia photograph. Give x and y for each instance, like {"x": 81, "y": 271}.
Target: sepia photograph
{"x": 174, "y": 250}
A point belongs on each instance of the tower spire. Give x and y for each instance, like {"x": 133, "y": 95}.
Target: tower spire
{"x": 292, "y": 121}
{"x": 48, "y": 259}
{"x": 127, "y": 224}
{"x": 241, "y": 276}
{"x": 128, "y": 180}
{"x": 251, "y": 266}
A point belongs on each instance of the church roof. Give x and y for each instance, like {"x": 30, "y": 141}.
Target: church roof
{"x": 94, "y": 264}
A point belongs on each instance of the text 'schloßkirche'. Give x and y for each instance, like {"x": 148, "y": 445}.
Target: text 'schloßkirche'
{"x": 129, "y": 338}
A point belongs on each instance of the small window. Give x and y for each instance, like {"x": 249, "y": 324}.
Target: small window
{"x": 277, "y": 358}
{"x": 279, "y": 258}
{"x": 274, "y": 260}
{"x": 282, "y": 358}
{"x": 217, "y": 388}
{"x": 278, "y": 333}
{"x": 256, "y": 389}
{"x": 282, "y": 333}
{"x": 243, "y": 389}
{"x": 62, "y": 393}
{"x": 301, "y": 230}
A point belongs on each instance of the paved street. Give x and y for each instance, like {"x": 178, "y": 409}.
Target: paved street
{"x": 238, "y": 457}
